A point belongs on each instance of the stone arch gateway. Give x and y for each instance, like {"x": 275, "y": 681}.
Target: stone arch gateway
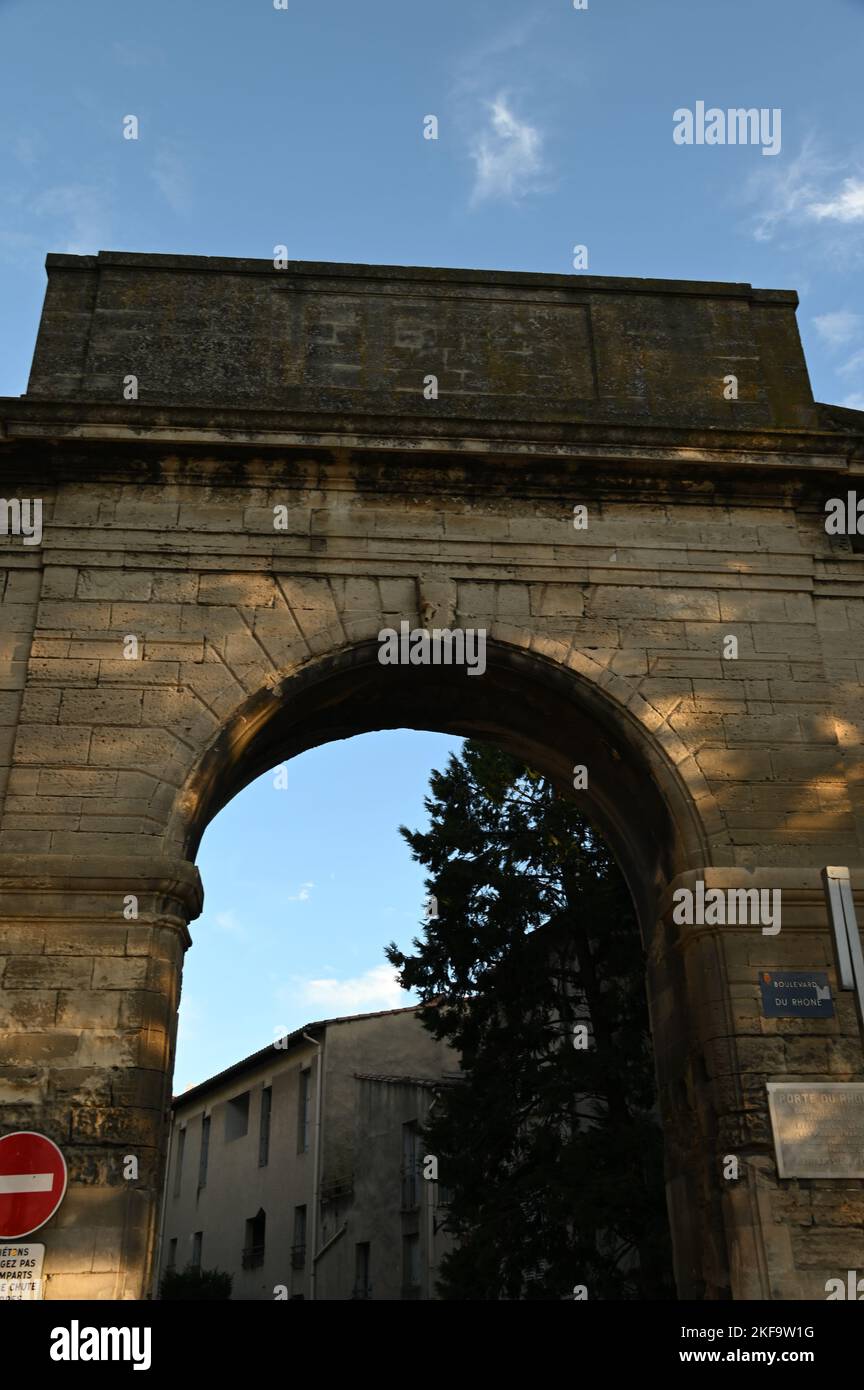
{"x": 243, "y": 475}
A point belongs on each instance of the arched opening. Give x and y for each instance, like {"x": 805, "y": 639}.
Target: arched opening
{"x": 552, "y": 718}
{"x": 541, "y": 712}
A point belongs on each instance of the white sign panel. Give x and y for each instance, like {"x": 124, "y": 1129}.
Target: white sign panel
{"x": 818, "y": 1128}
{"x": 21, "y": 1272}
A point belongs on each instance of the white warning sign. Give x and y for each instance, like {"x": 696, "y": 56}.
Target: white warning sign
{"x": 21, "y": 1272}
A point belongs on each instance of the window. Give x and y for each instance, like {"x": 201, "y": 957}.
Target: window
{"x": 410, "y": 1158}
{"x": 178, "y": 1162}
{"x": 253, "y": 1250}
{"x": 298, "y": 1249}
{"x": 197, "y": 1241}
{"x": 445, "y": 1195}
{"x": 172, "y": 1254}
{"x": 205, "y": 1152}
{"x": 237, "y": 1117}
{"x": 362, "y": 1287}
{"x": 410, "y": 1266}
{"x": 303, "y": 1110}
{"x": 264, "y": 1132}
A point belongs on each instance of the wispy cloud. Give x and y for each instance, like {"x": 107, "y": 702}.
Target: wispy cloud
{"x": 189, "y": 1017}
{"x": 24, "y": 148}
{"x": 81, "y": 210}
{"x": 133, "y": 54}
{"x": 782, "y": 191}
{"x": 170, "y": 177}
{"x": 303, "y": 895}
{"x": 227, "y": 921}
{"x": 377, "y": 988}
{"x": 839, "y": 328}
{"x": 18, "y": 248}
{"x": 507, "y": 155}
{"x": 813, "y": 189}
{"x": 845, "y": 206}
{"x": 480, "y": 67}
{"x": 492, "y": 82}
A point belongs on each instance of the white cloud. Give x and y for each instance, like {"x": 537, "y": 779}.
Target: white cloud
{"x": 845, "y": 206}
{"x": 838, "y": 328}
{"x": 855, "y": 364}
{"x": 377, "y": 988}
{"x": 507, "y": 155}
{"x": 804, "y": 193}
{"x": 854, "y": 402}
{"x": 303, "y": 895}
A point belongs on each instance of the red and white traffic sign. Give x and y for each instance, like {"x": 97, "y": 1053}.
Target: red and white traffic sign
{"x": 32, "y": 1182}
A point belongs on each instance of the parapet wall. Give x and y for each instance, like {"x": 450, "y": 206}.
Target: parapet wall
{"x": 319, "y": 336}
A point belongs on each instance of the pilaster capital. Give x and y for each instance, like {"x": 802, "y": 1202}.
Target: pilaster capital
{"x": 50, "y": 887}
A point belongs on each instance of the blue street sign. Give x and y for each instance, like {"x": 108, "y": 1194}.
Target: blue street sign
{"x": 796, "y": 994}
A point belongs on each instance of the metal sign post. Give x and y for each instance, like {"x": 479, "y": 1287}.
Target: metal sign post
{"x": 847, "y": 939}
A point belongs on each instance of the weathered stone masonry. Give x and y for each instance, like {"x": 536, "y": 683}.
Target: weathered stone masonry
{"x": 304, "y": 387}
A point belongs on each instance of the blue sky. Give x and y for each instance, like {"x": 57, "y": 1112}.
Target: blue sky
{"x": 305, "y": 884}
{"x": 304, "y": 126}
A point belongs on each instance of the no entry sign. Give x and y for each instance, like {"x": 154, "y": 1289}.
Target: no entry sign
{"x": 32, "y": 1182}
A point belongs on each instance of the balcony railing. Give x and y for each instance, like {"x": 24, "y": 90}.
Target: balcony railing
{"x": 362, "y": 1291}
{"x": 253, "y": 1256}
{"x": 337, "y": 1189}
{"x": 298, "y": 1256}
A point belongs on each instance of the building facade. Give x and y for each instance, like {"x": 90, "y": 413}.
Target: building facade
{"x": 300, "y": 1170}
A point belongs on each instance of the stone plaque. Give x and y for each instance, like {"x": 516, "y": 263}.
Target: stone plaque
{"x": 796, "y": 994}
{"x": 818, "y": 1128}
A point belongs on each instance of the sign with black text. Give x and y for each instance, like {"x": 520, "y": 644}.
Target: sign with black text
{"x": 21, "y": 1272}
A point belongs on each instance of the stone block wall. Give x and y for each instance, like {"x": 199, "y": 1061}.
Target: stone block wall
{"x": 166, "y": 642}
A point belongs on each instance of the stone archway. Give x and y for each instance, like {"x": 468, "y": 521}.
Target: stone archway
{"x": 539, "y": 708}
{"x": 636, "y": 793}
{"x": 552, "y": 708}
{"x": 165, "y": 641}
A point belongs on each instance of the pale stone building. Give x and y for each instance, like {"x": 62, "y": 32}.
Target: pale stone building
{"x": 299, "y": 1170}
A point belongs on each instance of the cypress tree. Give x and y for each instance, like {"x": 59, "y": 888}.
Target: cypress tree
{"x": 549, "y": 1145}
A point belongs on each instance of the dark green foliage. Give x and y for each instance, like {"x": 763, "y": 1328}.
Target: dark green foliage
{"x": 195, "y": 1284}
{"x": 552, "y": 1155}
